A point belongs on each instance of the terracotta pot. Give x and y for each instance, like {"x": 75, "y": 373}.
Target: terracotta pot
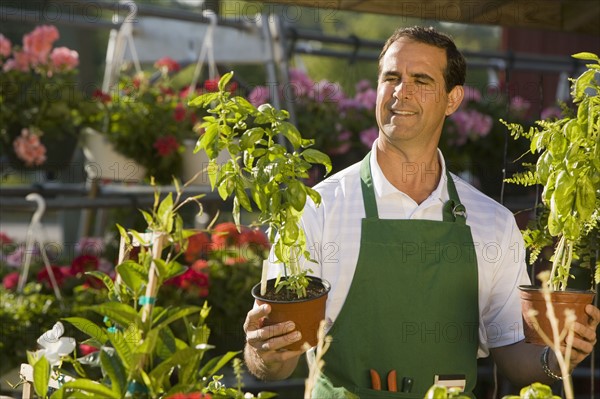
{"x": 532, "y": 298}
{"x": 306, "y": 313}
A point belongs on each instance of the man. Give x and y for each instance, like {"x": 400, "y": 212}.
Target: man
{"x": 432, "y": 285}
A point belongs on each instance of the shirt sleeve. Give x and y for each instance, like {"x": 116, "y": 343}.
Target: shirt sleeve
{"x": 501, "y": 322}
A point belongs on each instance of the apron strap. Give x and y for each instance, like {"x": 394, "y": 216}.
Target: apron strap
{"x": 453, "y": 210}
{"x": 368, "y": 192}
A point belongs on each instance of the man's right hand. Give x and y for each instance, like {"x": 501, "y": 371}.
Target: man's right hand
{"x": 265, "y": 353}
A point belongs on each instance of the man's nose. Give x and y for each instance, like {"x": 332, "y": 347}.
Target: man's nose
{"x": 405, "y": 90}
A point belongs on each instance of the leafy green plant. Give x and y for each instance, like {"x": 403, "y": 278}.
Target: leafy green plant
{"x": 568, "y": 168}
{"x": 536, "y": 390}
{"x": 262, "y": 170}
{"x": 137, "y": 352}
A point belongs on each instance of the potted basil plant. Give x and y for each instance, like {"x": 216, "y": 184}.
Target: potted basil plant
{"x": 568, "y": 168}
{"x": 269, "y": 161}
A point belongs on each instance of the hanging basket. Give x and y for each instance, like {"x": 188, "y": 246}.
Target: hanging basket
{"x": 196, "y": 165}
{"x": 102, "y": 161}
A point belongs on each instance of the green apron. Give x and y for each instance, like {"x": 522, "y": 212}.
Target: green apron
{"x": 412, "y": 305}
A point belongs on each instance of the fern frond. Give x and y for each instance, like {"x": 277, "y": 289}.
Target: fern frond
{"x": 527, "y": 178}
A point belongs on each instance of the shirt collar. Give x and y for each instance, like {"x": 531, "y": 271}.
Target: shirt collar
{"x": 384, "y": 188}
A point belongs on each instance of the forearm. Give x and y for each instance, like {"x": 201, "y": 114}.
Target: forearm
{"x": 521, "y": 364}
{"x": 274, "y": 370}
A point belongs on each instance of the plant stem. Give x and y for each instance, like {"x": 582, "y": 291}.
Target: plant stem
{"x": 558, "y": 259}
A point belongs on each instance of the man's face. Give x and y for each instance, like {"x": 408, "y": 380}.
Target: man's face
{"x": 411, "y": 94}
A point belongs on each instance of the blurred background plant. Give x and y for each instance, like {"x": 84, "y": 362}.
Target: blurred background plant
{"x": 146, "y": 117}
{"x": 40, "y": 102}
{"x": 23, "y": 314}
{"x": 224, "y": 265}
{"x": 342, "y": 126}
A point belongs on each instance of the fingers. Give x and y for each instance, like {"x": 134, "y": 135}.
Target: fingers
{"x": 594, "y": 314}
{"x": 255, "y": 316}
{"x": 270, "y": 341}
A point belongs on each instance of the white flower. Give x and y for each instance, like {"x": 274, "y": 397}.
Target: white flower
{"x": 55, "y": 346}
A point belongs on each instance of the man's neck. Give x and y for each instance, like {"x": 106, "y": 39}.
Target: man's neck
{"x": 416, "y": 175}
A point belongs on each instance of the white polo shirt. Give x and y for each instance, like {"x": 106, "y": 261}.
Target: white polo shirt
{"x": 333, "y": 233}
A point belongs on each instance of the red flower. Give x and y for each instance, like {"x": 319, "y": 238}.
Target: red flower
{"x": 255, "y": 237}
{"x": 101, "y": 96}
{"x": 4, "y": 239}
{"x": 179, "y": 113}
{"x": 211, "y": 85}
{"x": 44, "y": 277}
{"x": 166, "y": 145}
{"x": 11, "y": 280}
{"x": 198, "y": 245}
{"x": 166, "y": 62}
{"x": 85, "y": 349}
{"x": 200, "y": 265}
{"x": 225, "y": 234}
{"x": 191, "y": 281}
{"x": 83, "y": 263}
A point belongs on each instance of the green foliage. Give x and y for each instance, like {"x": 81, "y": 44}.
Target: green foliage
{"x": 137, "y": 351}
{"x": 262, "y": 173}
{"x": 568, "y": 167}
{"x": 534, "y": 391}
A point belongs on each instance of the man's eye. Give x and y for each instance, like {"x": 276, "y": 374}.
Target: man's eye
{"x": 420, "y": 82}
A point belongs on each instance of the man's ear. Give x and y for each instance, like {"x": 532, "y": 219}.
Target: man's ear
{"x": 455, "y": 97}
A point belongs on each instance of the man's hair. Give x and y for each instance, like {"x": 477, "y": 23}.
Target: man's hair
{"x": 456, "y": 66}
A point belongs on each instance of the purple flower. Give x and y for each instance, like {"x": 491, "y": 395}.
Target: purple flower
{"x": 344, "y": 143}
{"x": 367, "y": 98}
{"x": 368, "y": 136}
{"x": 471, "y": 124}
{"x": 326, "y": 91}
{"x": 259, "y": 95}
{"x": 300, "y": 83}
{"x": 363, "y": 85}
{"x": 551, "y": 112}
{"x": 519, "y": 104}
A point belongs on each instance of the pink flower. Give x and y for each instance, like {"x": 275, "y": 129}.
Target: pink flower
{"x": 367, "y": 98}
{"x": 85, "y": 349}
{"x": 368, "y": 136}
{"x": 300, "y": 84}
{"x": 21, "y": 61}
{"x": 166, "y": 145}
{"x": 259, "y": 95}
{"x": 63, "y": 59}
{"x": 551, "y": 112}
{"x": 471, "y": 124}
{"x": 325, "y": 91}
{"x": 39, "y": 42}
{"x": 519, "y": 104}
{"x": 15, "y": 258}
{"x": 5, "y": 46}
{"x": 166, "y": 62}
{"x": 363, "y": 85}
{"x": 11, "y": 280}
{"x": 29, "y": 148}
